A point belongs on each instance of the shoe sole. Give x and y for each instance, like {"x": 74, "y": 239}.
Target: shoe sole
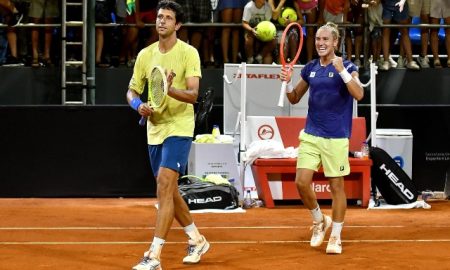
{"x": 333, "y": 252}
{"x": 204, "y": 250}
{"x": 327, "y": 226}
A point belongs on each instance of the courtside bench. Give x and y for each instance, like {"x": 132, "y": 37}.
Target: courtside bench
{"x": 275, "y": 177}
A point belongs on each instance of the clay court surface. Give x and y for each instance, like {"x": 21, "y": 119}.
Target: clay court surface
{"x": 85, "y": 234}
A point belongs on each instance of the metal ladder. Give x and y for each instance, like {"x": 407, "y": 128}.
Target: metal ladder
{"x": 73, "y": 91}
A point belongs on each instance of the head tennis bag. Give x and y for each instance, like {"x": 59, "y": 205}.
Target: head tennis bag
{"x": 206, "y": 195}
{"x": 391, "y": 180}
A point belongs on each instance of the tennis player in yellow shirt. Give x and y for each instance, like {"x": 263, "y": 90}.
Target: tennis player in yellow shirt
{"x": 170, "y": 129}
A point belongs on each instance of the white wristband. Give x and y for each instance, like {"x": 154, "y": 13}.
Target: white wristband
{"x": 346, "y": 77}
{"x": 289, "y": 87}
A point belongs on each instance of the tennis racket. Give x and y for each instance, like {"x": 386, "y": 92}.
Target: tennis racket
{"x": 284, "y": 54}
{"x": 157, "y": 89}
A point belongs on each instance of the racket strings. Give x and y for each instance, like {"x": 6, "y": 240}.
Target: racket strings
{"x": 157, "y": 88}
{"x": 291, "y": 45}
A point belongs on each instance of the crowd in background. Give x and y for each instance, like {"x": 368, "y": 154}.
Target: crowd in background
{"x": 119, "y": 45}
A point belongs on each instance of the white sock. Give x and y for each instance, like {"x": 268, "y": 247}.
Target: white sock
{"x": 317, "y": 214}
{"x": 336, "y": 229}
{"x": 192, "y": 231}
{"x": 155, "y": 248}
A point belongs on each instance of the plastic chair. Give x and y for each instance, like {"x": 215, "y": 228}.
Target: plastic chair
{"x": 414, "y": 33}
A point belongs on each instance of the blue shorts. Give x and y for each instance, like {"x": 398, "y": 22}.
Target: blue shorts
{"x": 392, "y": 13}
{"x": 223, "y": 4}
{"x": 173, "y": 153}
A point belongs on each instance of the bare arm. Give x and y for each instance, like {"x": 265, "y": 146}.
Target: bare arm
{"x": 298, "y": 92}
{"x": 353, "y": 84}
{"x": 355, "y": 88}
{"x": 143, "y": 109}
{"x": 247, "y": 26}
{"x": 276, "y": 10}
{"x": 188, "y": 95}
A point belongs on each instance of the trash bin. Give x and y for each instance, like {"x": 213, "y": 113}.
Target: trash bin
{"x": 398, "y": 144}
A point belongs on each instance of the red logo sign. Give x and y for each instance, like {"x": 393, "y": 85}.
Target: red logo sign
{"x": 265, "y": 132}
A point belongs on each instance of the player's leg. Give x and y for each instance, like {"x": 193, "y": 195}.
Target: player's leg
{"x": 308, "y": 162}
{"x": 197, "y": 243}
{"x": 336, "y": 166}
{"x": 339, "y": 205}
{"x": 164, "y": 160}
{"x": 166, "y": 184}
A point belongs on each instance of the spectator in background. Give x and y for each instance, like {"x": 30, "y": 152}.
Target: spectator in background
{"x": 10, "y": 14}
{"x": 309, "y": 9}
{"x": 278, "y": 6}
{"x": 103, "y": 10}
{"x": 374, "y": 14}
{"x": 197, "y": 11}
{"x": 231, "y": 12}
{"x": 355, "y": 15}
{"x": 12, "y": 17}
{"x": 255, "y": 12}
{"x": 46, "y": 11}
{"x": 421, "y": 8}
{"x": 397, "y": 11}
{"x": 145, "y": 12}
{"x": 440, "y": 9}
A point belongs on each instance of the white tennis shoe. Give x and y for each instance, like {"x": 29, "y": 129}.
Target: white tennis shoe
{"x": 319, "y": 229}
{"x": 196, "y": 250}
{"x": 334, "y": 245}
{"x": 148, "y": 263}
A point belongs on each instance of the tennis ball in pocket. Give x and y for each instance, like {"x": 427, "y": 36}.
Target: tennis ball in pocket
{"x": 266, "y": 31}
{"x": 287, "y": 14}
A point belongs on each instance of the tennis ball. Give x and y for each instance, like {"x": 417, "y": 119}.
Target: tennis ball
{"x": 266, "y": 31}
{"x": 287, "y": 14}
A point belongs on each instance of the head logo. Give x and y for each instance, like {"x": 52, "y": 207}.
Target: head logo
{"x": 265, "y": 132}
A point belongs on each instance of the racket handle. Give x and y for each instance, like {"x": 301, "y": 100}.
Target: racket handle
{"x": 142, "y": 121}
{"x": 282, "y": 92}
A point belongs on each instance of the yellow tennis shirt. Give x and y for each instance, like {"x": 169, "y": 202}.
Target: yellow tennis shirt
{"x": 173, "y": 118}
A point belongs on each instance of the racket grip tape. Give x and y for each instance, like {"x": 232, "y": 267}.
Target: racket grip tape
{"x": 282, "y": 93}
{"x": 142, "y": 121}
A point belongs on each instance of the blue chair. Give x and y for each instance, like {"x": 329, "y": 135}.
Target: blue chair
{"x": 414, "y": 33}
{"x": 441, "y": 33}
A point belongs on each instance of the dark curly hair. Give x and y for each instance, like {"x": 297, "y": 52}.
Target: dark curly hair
{"x": 174, "y": 6}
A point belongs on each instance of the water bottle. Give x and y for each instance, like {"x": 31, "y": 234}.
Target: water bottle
{"x": 247, "y": 200}
{"x": 216, "y": 131}
{"x": 365, "y": 150}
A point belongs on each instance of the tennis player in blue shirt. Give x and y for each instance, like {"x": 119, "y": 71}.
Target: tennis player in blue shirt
{"x": 333, "y": 84}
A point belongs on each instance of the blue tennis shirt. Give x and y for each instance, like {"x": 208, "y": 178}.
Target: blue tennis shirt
{"x": 330, "y": 105}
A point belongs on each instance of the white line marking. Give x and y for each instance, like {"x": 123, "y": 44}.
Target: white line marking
{"x": 232, "y": 242}
{"x": 205, "y": 228}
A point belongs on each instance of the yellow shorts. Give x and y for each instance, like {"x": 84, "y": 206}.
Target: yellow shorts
{"x": 332, "y": 154}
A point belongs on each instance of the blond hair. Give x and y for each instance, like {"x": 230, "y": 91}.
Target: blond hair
{"x": 333, "y": 29}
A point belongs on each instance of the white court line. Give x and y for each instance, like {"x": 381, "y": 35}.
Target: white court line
{"x": 231, "y": 242}
{"x": 205, "y": 227}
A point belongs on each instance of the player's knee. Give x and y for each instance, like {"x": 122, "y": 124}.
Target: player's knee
{"x": 302, "y": 184}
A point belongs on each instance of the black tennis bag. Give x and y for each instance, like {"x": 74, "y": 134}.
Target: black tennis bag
{"x": 391, "y": 180}
{"x": 206, "y": 195}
